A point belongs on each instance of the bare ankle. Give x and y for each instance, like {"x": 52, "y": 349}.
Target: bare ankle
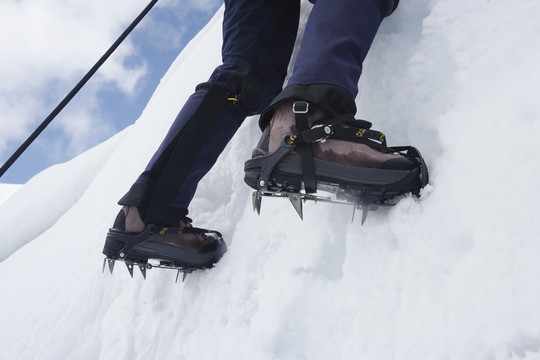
{"x": 134, "y": 223}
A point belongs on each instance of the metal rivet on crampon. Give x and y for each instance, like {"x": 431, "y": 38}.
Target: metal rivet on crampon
{"x": 327, "y": 129}
{"x": 261, "y": 183}
{"x": 122, "y": 254}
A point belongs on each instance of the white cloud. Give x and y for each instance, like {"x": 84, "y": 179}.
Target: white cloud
{"x": 47, "y": 46}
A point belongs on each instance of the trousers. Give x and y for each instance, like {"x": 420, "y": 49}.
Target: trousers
{"x": 258, "y": 41}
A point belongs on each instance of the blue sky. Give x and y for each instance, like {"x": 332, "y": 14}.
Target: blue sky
{"x": 52, "y": 44}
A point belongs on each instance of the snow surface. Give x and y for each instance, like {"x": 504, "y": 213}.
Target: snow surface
{"x": 454, "y": 275}
{"x": 7, "y": 190}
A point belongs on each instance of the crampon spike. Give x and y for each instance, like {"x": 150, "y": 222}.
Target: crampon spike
{"x": 296, "y": 202}
{"x": 297, "y": 199}
{"x": 110, "y": 262}
{"x": 257, "y": 200}
{"x": 185, "y": 272}
{"x": 142, "y": 267}
{"x": 365, "y": 211}
{"x": 111, "y": 265}
{"x": 130, "y": 268}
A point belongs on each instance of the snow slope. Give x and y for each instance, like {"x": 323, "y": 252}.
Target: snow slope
{"x": 453, "y": 275}
{"x": 7, "y": 190}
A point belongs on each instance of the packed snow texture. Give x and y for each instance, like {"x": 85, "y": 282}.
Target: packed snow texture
{"x": 453, "y": 275}
{"x": 7, "y": 190}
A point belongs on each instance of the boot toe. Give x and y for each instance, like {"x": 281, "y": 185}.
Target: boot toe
{"x": 401, "y": 163}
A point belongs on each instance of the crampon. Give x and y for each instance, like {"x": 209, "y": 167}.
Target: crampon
{"x": 153, "y": 248}
{"x": 292, "y": 172}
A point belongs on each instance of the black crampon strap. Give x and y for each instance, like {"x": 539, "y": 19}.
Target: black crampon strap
{"x": 300, "y": 109}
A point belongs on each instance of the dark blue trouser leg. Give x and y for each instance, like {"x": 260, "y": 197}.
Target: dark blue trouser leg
{"x": 336, "y": 41}
{"x": 257, "y": 45}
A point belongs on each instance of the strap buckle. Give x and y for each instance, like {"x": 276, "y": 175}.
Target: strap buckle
{"x": 318, "y": 133}
{"x": 300, "y": 107}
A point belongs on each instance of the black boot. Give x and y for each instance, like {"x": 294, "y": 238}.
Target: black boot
{"x": 180, "y": 245}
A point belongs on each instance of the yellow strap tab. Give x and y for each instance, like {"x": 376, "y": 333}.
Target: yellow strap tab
{"x": 292, "y": 139}
{"x": 361, "y": 132}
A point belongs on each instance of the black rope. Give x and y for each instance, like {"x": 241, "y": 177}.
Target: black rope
{"x": 75, "y": 90}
